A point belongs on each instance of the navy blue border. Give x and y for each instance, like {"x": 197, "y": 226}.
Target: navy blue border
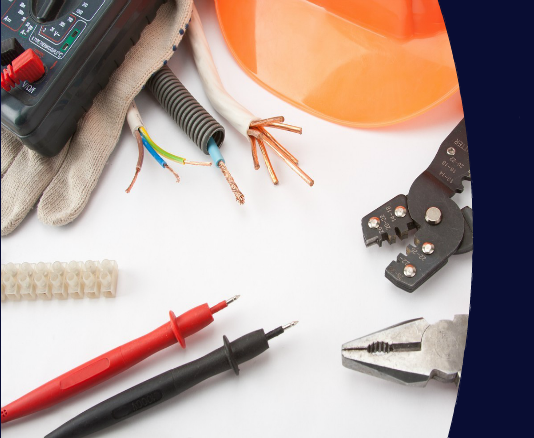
{"x": 493, "y": 47}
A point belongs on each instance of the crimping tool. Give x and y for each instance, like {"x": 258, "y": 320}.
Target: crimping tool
{"x": 412, "y": 352}
{"x": 442, "y": 228}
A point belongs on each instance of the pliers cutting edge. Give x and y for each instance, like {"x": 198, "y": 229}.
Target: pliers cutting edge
{"x": 412, "y": 352}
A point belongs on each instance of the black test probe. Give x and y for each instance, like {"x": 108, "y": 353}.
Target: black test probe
{"x": 168, "y": 384}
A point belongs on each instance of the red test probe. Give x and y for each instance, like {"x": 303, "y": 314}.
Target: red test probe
{"x": 113, "y": 362}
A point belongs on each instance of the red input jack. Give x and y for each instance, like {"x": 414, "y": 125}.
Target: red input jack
{"x": 25, "y": 67}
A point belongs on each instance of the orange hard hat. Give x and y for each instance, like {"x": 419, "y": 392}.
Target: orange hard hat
{"x": 363, "y": 63}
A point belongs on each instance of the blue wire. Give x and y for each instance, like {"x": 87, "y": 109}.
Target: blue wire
{"x": 214, "y": 151}
{"x": 150, "y": 149}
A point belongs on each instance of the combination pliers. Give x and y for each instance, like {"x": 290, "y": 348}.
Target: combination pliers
{"x": 412, "y": 352}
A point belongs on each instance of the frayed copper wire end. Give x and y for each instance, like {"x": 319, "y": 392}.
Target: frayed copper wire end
{"x": 258, "y": 133}
{"x": 173, "y": 172}
{"x": 139, "y": 159}
{"x": 239, "y": 197}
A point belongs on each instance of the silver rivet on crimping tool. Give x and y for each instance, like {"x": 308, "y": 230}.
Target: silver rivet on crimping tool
{"x": 451, "y": 151}
{"x": 410, "y": 270}
{"x": 433, "y": 215}
{"x": 428, "y": 248}
{"x": 400, "y": 211}
{"x": 374, "y": 222}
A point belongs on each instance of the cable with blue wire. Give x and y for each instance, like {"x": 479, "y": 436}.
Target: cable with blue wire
{"x": 218, "y": 159}
{"x": 157, "y": 152}
{"x": 193, "y": 119}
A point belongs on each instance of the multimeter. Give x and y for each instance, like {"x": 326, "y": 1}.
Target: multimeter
{"x": 81, "y": 43}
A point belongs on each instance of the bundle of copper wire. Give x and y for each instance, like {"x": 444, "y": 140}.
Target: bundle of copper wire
{"x": 257, "y": 133}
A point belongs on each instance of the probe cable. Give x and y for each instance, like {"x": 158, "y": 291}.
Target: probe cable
{"x": 113, "y": 362}
{"x": 143, "y": 139}
{"x": 251, "y": 127}
{"x": 169, "y": 384}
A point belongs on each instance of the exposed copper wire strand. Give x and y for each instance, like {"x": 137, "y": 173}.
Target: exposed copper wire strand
{"x": 239, "y": 197}
{"x": 275, "y": 145}
{"x": 270, "y": 168}
{"x": 259, "y": 133}
{"x": 290, "y": 163}
{"x": 255, "y": 133}
{"x": 274, "y": 141}
{"x": 198, "y": 163}
{"x": 254, "y": 152}
{"x": 173, "y": 172}
{"x": 285, "y": 127}
{"x": 278, "y": 119}
{"x": 139, "y": 159}
{"x": 133, "y": 180}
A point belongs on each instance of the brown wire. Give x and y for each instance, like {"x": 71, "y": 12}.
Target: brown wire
{"x": 139, "y": 160}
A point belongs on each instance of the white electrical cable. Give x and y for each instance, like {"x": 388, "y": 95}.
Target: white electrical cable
{"x": 224, "y": 104}
{"x": 134, "y": 118}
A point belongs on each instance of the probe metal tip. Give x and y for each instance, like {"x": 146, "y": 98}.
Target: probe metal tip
{"x": 291, "y": 324}
{"x": 231, "y": 300}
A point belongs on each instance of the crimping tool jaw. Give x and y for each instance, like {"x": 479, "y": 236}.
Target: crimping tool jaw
{"x": 442, "y": 228}
{"x": 411, "y": 353}
{"x": 388, "y": 222}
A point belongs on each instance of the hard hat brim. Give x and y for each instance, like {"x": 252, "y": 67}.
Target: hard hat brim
{"x": 333, "y": 68}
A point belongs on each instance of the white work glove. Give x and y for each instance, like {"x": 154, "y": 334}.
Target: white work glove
{"x": 61, "y": 185}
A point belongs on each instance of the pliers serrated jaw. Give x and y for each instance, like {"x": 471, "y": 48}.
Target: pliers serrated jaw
{"x": 412, "y": 352}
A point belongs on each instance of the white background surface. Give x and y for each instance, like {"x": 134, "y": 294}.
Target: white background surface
{"x": 292, "y": 252}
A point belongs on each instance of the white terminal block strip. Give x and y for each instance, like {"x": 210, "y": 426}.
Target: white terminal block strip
{"x": 31, "y": 281}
